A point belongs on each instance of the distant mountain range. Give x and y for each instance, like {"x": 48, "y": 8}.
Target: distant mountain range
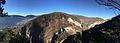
{"x": 12, "y": 20}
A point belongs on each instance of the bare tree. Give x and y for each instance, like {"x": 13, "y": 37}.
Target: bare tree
{"x": 112, "y": 3}
{"x": 2, "y": 2}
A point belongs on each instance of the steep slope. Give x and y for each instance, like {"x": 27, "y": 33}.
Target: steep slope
{"x": 108, "y": 32}
{"x": 50, "y": 28}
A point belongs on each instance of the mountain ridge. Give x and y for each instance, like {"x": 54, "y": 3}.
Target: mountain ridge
{"x": 17, "y": 19}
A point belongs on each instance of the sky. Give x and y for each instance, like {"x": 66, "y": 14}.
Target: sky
{"x": 87, "y": 8}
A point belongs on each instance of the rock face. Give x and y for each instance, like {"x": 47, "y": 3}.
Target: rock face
{"x": 50, "y": 28}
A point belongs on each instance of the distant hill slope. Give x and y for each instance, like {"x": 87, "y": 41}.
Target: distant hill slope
{"x": 88, "y": 22}
{"x": 12, "y": 20}
{"x": 88, "y": 19}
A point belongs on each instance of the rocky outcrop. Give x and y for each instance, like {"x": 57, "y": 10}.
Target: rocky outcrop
{"x": 107, "y": 32}
{"x": 50, "y": 28}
